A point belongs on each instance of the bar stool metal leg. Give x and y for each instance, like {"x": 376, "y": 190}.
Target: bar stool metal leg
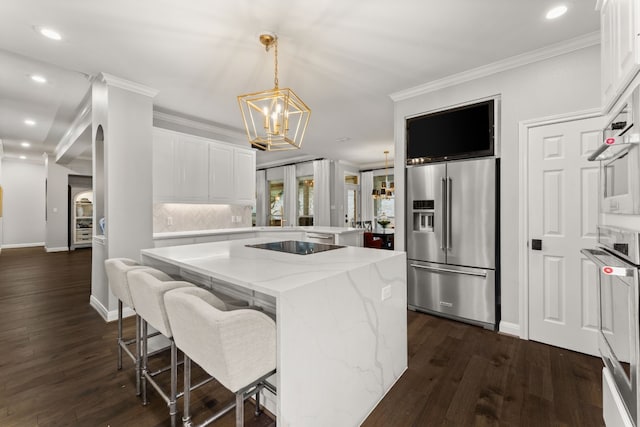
{"x": 186, "y": 415}
{"x": 119, "y": 335}
{"x": 144, "y": 363}
{"x": 174, "y": 384}
{"x": 138, "y": 356}
{"x": 240, "y": 409}
{"x": 258, "y": 411}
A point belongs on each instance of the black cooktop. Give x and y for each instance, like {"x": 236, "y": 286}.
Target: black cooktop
{"x": 296, "y": 247}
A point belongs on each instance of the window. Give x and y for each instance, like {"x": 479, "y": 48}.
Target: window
{"x": 305, "y": 200}
{"x": 275, "y": 202}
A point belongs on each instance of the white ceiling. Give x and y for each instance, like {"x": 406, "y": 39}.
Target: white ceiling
{"x": 343, "y": 58}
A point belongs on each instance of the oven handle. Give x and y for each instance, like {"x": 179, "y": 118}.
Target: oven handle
{"x": 447, "y": 270}
{"x": 617, "y": 271}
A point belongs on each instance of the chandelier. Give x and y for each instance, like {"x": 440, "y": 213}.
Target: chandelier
{"x": 386, "y": 189}
{"x": 274, "y": 119}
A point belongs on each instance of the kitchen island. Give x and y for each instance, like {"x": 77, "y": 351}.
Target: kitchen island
{"x": 340, "y": 318}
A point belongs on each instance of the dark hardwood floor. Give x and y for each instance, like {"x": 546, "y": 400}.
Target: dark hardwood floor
{"x": 58, "y": 365}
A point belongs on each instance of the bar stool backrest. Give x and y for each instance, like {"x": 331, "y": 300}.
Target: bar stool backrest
{"x": 117, "y": 269}
{"x": 236, "y": 347}
{"x": 147, "y": 288}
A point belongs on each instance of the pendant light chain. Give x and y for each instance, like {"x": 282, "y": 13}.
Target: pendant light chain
{"x": 275, "y": 79}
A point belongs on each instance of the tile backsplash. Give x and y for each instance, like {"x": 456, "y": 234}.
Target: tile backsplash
{"x": 187, "y": 217}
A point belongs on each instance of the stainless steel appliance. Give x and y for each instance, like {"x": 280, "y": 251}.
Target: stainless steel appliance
{"x": 619, "y": 158}
{"x": 618, "y": 259}
{"x": 452, "y": 240}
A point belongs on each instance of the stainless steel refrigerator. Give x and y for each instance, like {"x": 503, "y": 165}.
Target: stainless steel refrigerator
{"x": 452, "y": 240}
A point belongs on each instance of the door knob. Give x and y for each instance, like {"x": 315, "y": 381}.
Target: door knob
{"x": 536, "y": 244}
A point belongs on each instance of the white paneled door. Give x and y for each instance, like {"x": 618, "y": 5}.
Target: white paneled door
{"x": 563, "y": 214}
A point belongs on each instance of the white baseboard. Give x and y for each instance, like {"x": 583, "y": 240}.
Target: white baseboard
{"x": 59, "y": 249}
{"x": 109, "y": 316}
{"x": 509, "y": 328}
{"x": 22, "y": 245}
{"x": 101, "y": 309}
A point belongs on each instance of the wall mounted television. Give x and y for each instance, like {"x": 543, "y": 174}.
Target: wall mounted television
{"x": 459, "y": 133}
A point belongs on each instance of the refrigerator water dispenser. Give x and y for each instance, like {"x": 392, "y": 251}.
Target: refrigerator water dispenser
{"x": 423, "y": 215}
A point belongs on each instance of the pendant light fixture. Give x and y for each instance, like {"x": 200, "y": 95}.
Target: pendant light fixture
{"x": 274, "y": 119}
{"x": 386, "y": 189}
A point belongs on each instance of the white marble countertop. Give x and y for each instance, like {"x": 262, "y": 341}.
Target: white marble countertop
{"x": 223, "y": 231}
{"x": 262, "y": 270}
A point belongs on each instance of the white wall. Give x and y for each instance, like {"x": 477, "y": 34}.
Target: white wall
{"x": 562, "y": 84}
{"x": 23, "y": 219}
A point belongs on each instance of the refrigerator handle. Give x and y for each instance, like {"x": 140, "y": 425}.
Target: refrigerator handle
{"x": 449, "y": 214}
{"x": 448, "y": 270}
{"x": 443, "y": 217}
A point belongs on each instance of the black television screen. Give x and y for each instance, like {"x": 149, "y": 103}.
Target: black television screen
{"x": 458, "y": 133}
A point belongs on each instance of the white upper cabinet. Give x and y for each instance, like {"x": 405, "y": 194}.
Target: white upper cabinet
{"x": 244, "y": 165}
{"x": 619, "y": 47}
{"x": 191, "y": 169}
{"x": 221, "y": 187}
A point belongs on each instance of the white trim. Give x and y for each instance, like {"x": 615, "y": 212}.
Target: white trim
{"x": 537, "y": 55}
{"x": 290, "y": 160}
{"x": 22, "y": 245}
{"x": 97, "y": 305}
{"x": 109, "y": 316}
{"x": 523, "y": 205}
{"x": 58, "y": 249}
{"x": 509, "y": 328}
{"x": 197, "y": 125}
{"x": 121, "y": 83}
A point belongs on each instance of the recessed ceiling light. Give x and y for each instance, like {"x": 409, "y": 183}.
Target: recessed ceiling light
{"x": 23, "y": 157}
{"x": 38, "y": 78}
{"x": 50, "y": 33}
{"x": 30, "y": 122}
{"x": 556, "y": 12}
{"x": 25, "y": 144}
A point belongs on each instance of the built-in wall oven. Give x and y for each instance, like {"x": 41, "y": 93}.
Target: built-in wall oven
{"x": 619, "y": 158}
{"x": 617, "y": 258}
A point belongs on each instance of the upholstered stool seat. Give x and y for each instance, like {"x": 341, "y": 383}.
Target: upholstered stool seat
{"x": 236, "y": 347}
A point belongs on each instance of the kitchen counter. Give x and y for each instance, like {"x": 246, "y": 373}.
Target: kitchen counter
{"x": 340, "y": 318}
{"x": 226, "y": 231}
{"x": 337, "y": 235}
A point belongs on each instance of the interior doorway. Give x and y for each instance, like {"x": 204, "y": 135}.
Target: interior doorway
{"x": 561, "y": 215}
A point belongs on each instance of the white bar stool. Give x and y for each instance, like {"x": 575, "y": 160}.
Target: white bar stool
{"x": 237, "y": 348}
{"x": 117, "y": 269}
{"x": 147, "y": 287}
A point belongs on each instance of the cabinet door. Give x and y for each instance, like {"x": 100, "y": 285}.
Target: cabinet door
{"x": 625, "y": 43}
{"x": 221, "y": 173}
{"x": 619, "y": 48}
{"x": 192, "y": 170}
{"x": 607, "y": 52}
{"x": 163, "y": 181}
{"x": 245, "y": 176}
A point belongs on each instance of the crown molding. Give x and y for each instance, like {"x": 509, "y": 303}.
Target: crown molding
{"x": 121, "y": 83}
{"x": 542, "y": 54}
{"x": 282, "y": 162}
{"x": 197, "y": 125}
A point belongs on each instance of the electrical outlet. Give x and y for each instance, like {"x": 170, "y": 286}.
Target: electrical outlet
{"x": 169, "y": 221}
{"x": 386, "y": 293}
